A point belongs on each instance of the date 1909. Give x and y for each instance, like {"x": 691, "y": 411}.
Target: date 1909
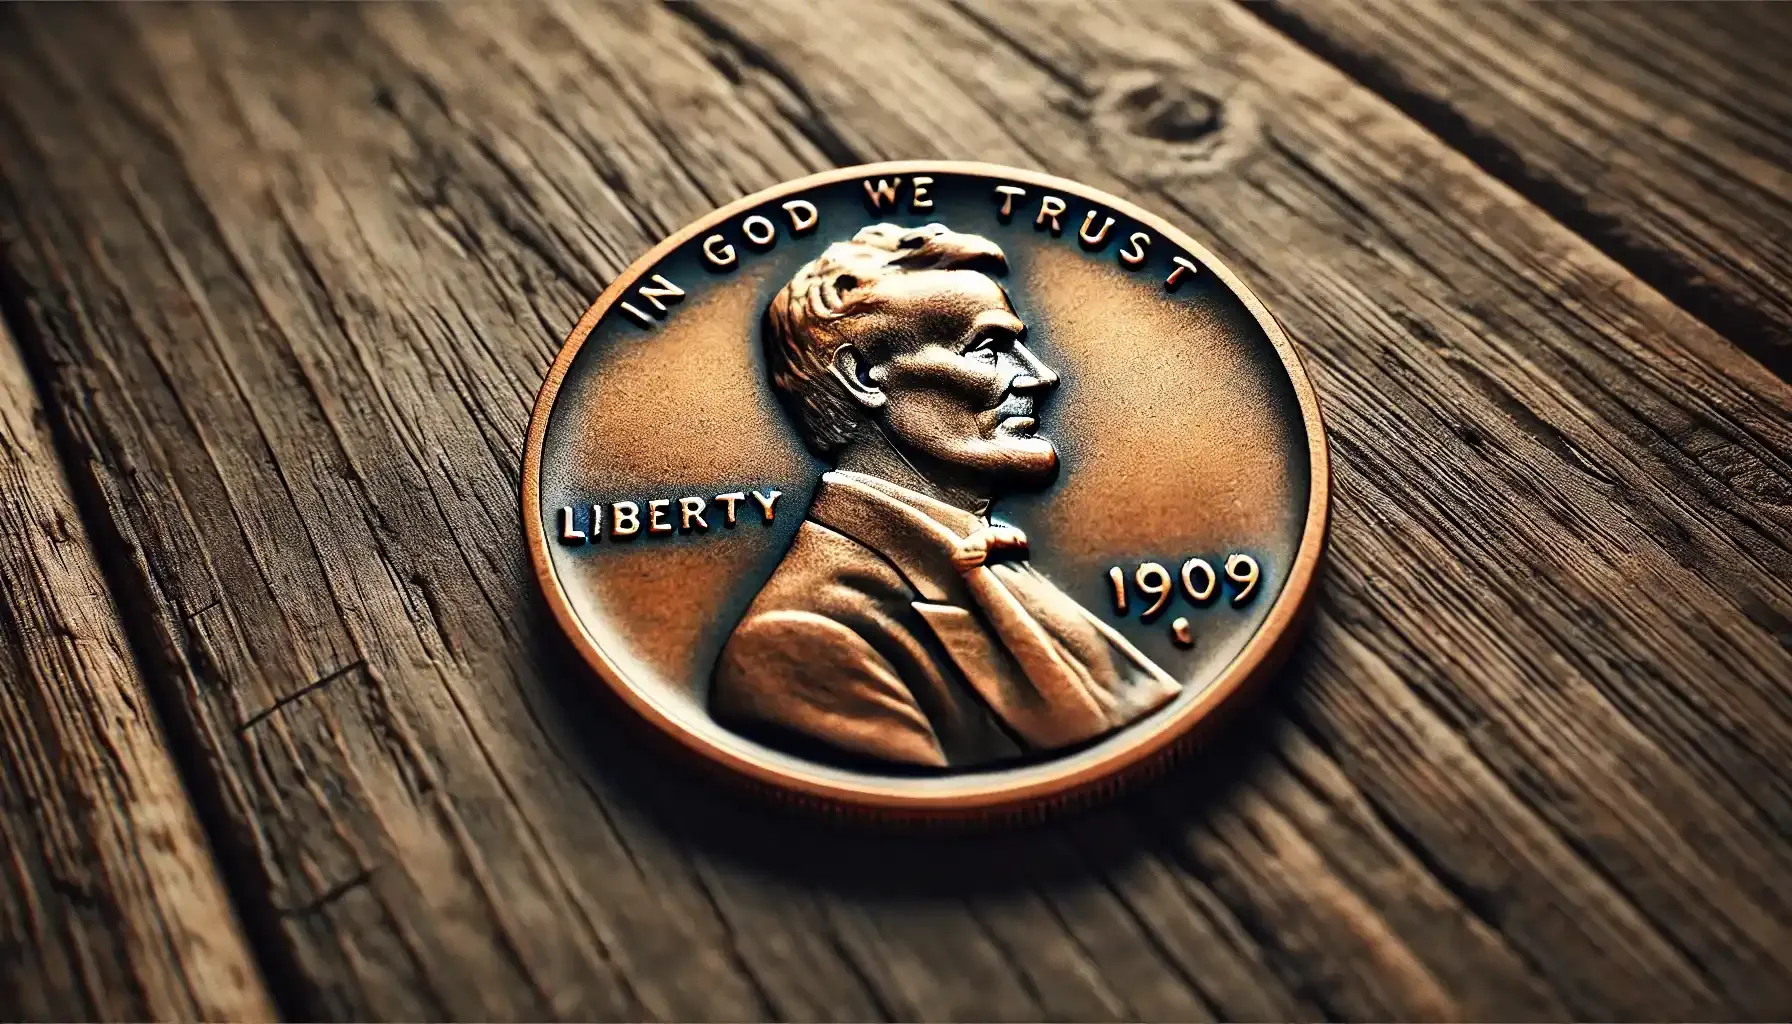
{"x": 1200, "y": 584}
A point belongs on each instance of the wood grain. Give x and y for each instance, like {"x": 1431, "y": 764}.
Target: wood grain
{"x": 293, "y": 275}
{"x": 1663, "y": 133}
{"x": 110, "y": 905}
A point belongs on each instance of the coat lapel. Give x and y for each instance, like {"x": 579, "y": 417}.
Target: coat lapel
{"x": 1042, "y": 704}
{"x": 1064, "y": 716}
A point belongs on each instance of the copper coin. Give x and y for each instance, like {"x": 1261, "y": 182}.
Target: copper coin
{"x": 928, "y": 489}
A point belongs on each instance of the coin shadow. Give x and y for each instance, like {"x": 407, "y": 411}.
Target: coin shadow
{"x": 648, "y": 777}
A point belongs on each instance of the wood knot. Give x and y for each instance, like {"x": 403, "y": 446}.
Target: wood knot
{"x": 1167, "y": 111}
{"x": 1157, "y": 126}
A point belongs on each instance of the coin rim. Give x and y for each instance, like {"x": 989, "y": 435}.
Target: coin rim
{"x": 1152, "y": 743}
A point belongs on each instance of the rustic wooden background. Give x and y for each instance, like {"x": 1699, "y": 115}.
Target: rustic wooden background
{"x": 285, "y": 729}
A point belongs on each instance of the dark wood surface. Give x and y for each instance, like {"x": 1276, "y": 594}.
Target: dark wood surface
{"x": 1658, "y": 131}
{"x": 109, "y": 906}
{"x": 287, "y": 278}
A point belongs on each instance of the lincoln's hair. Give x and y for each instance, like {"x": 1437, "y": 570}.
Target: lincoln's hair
{"x": 802, "y": 324}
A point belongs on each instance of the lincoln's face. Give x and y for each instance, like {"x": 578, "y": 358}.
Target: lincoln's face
{"x": 960, "y": 389}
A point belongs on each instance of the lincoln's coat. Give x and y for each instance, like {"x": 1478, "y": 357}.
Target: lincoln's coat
{"x": 884, "y": 634}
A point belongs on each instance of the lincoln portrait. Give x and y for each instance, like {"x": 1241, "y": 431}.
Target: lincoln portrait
{"x": 903, "y": 625}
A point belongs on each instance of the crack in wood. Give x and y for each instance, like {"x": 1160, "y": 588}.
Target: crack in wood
{"x": 302, "y": 692}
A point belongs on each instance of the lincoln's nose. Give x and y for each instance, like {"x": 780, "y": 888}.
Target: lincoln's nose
{"x": 1036, "y": 375}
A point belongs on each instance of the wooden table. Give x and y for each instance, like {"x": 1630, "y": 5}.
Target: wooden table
{"x": 286, "y": 731}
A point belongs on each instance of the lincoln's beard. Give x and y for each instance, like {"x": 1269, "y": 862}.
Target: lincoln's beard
{"x": 968, "y": 475}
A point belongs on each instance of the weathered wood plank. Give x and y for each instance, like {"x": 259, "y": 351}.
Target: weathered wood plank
{"x": 296, "y": 274}
{"x": 110, "y": 903}
{"x": 1662, "y": 132}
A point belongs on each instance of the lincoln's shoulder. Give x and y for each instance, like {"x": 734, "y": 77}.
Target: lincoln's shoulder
{"x": 833, "y": 575}
{"x": 831, "y": 601}
{"x": 807, "y": 665}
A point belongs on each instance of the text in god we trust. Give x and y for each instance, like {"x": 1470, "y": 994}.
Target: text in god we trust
{"x": 651, "y": 300}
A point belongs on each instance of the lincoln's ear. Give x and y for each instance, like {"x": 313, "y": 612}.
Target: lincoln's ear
{"x": 850, "y": 369}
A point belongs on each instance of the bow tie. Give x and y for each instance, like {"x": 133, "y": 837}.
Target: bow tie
{"x": 1079, "y": 683}
{"x": 976, "y": 549}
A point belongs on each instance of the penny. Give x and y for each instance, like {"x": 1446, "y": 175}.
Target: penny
{"x": 928, "y": 489}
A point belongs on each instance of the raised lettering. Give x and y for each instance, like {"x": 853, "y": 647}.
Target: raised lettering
{"x": 1096, "y": 239}
{"x": 656, "y": 515}
{"x": 728, "y": 502}
{"x": 719, "y": 256}
{"x": 803, "y": 215}
{"x": 691, "y": 509}
{"x": 638, "y": 315}
{"x": 766, "y": 501}
{"x": 1242, "y": 570}
{"x": 1179, "y": 632}
{"x": 660, "y": 289}
{"x": 920, "y": 201}
{"x": 568, "y": 535}
{"x": 1118, "y": 579}
{"x": 1154, "y": 582}
{"x": 1183, "y": 265}
{"x": 1137, "y": 242}
{"x": 1209, "y": 581}
{"x": 1052, "y": 207}
{"x": 884, "y": 194}
{"x": 758, "y": 230}
{"x": 625, "y": 519}
{"x": 1008, "y": 192}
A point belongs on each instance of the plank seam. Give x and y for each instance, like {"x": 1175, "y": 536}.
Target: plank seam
{"x": 233, "y": 862}
{"x": 1674, "y": 278}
